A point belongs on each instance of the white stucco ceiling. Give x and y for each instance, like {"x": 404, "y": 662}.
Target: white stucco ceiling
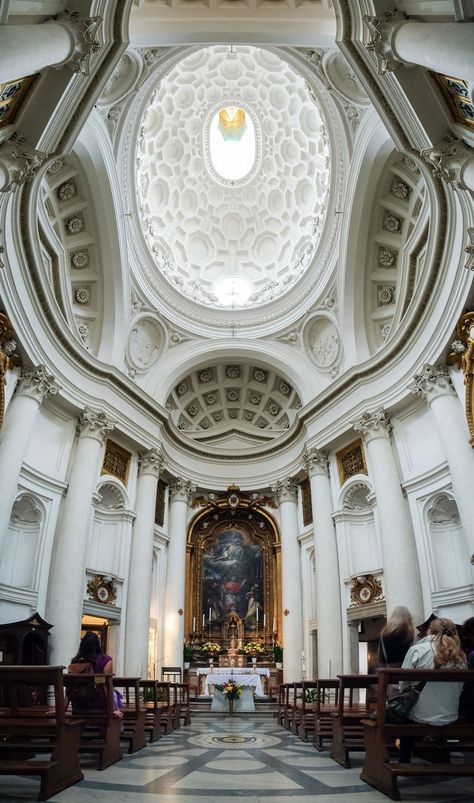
{"x": 201, "y": 229}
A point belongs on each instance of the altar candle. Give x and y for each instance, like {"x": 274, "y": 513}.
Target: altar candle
{"x": 274, "y": 626}
{"x": 257, "y": 613}
{"x": 204, "y": 620}
{"x": 210, "y": 614}
{"x": 264, "y": 620}
{"x": 194, "y": 624}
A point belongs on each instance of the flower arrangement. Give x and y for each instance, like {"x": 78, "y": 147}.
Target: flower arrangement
{"x": 253, "y": 648}
{"x": 188, "y": 651}
{"x": 230, "y": 690}
{"x": 277, "y": 653}
{"x": 211, "y": 646}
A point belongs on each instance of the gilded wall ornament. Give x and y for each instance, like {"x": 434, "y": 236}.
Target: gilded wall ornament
{"x": 103, "y": 590}
{"x": 365, "y": 589}
{"x": 116, "y": 461}
{"x": 351, "y": 461}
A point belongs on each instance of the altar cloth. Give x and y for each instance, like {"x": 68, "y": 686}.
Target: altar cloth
{"x": 242, "y": 678}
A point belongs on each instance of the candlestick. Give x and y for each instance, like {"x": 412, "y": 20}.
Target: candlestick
{"x": 210, "y": 614}
{"x": 203, "y": 621}
{"x": 257, "y": 613}
{"x": 274, "y": 625}
{"x": 264, "y": 620}
{"x": 194, "y": 624}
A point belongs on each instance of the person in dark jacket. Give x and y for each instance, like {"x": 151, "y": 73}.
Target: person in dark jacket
{"x": 396, "y": 637}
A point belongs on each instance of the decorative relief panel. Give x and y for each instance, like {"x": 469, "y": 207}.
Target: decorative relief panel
{"x": 12, "y": 95}
{"x": 351, "y": 461}
{"x": 160, "y": 503}
{"x": 116, "y": 461}
{"x": 322, "y": 341}
{"x": 456, "y": 93}
{"x": 306, "y": 502}
{"x": 146, "y": 341}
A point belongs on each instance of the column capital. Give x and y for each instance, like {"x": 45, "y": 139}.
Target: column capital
{"x": 285, "y": 490}
{"x": 431, "y": 382}
{"x": 37, "y": 384}
{"x": 381, "y": 32}
{"x": 18, "y": 162}
{"x": 151, "y": 462}
{"x": 316, "y": 462}
{"x": 373, "y": 425}
{"x": 94, "y": 424}
{"x": 181, "y": 490}
{"x": 452, "y": 161}
{"x": 82, "y": 31}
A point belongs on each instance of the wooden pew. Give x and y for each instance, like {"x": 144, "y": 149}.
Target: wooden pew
{"x": 295, "y": 701}
{"x": 175, "y": 704}
{"x": 153, "y": 704}
{"x": 163, "y": 691}
{"x": 347, "y": 730}
{"x": 326, "y": 705}
{"x": 309, "y": 691}
{"x": 134, "y": 713}
{"x": 287, "y": 692}
{"x": 184, "y": 708}
{"x": 282, "y": 692}
{"x": 381, "y": 768}
{"x": 100, "y": 732}
{"x": 28, "y": 728}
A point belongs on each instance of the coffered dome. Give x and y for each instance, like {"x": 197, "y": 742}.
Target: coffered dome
{"x": 232, "y": 175}
{"x": 255, "y": 402}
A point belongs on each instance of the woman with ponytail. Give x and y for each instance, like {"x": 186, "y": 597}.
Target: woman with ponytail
{"x": 438, "y": 702}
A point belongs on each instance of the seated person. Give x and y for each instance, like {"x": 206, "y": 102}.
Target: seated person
{"x": 91, "y": 656}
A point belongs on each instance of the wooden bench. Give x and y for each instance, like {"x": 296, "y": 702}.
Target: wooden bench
{"x": 347, "y": 729}
{"x": 282, "y": 704}
{"x": 29, "y": 728}
{"x": 175, "y": 704}
{"x": 326, "y": 705}
{"x": 134, "y": 713}
{"x": 152, "y": 701}
{"x": 100, "y": 731}
{"x": 184, "y": 707}
{"x": 309, "y": 690}
{"x": 295, "y": 704}
{"x": 381, "y": 768}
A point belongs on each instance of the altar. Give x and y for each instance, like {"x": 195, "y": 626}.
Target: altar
{"x": 251, "y": 677}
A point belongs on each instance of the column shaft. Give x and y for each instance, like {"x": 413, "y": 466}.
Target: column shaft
{"x": 446, "y": 48}
{"x": 291, "y": 583}
{"x": 141, "y": 567}
{"x": 34, "y": 386}
{"x": 328, "y": 584}
{"x": 176, "y": 574}
{"x": 434, "y": 385}
{"x": 400, "y": 562}
{"x": 67, "y": 580}
{"x": 27, "y": 49}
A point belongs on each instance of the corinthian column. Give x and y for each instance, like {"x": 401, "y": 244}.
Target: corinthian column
{"x": 400, "y": 562}
{"x": 328, "y": 584}
{"x": 67, "y": 573}
{"x": 27, "y": 49}
{"x": 435, "y": 387}
{"x": 445, "y": 48}
{"x": 34, "y": 386}
{"x": 180, "y": 492}
{"x": 291, "y": 602}
{"x": 141, "y": 566}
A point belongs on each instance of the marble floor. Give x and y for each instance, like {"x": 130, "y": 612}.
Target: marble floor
{"x": 212, "y": 761}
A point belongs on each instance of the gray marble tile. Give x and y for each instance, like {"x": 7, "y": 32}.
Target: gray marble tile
{"x": 207, "y": 780}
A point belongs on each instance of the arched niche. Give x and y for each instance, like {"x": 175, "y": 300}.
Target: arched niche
{"x": 447, "y": 543}
{"x": 233, "y": 572}
{"x": 358, "y": 542}
{"x": 19, "y": 559}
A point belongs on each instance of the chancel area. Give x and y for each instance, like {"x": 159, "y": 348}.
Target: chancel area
{"x": 236, "y": 390}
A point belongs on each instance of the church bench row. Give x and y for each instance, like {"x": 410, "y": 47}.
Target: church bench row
{"x": 381, "y": 768}
{"x": 34, "y": 721}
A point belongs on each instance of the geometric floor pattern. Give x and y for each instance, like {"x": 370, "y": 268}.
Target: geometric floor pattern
{"x": 216, "y": 761}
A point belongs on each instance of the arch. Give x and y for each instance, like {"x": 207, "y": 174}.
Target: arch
{"x": 447, "y": 545}
{"x": 355, "y": 494}
{"x": 113, "y": 495}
